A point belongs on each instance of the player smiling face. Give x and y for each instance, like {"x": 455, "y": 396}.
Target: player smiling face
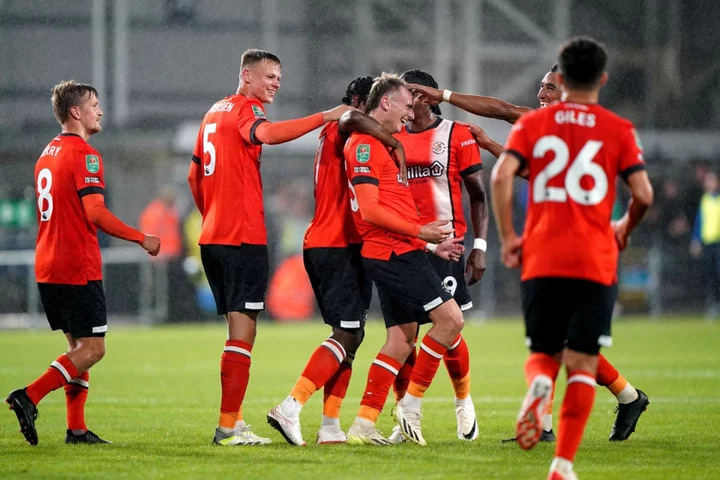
{"x": 263, "y": 79}
{"x": 550, "y": 90}
{"x": 89, "y": 114}
{"x": 400, "y": 108}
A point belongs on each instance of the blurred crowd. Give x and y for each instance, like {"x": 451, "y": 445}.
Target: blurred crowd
{"x": 683, "y": 225}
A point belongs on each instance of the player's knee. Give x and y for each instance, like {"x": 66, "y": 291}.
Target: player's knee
{"x": 349, "y": 339}
{"x": 455, "y": 321}
{"x": 576, "y": 361}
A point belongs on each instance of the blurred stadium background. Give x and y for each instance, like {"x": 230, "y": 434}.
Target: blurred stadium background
{"x": 160, "y": 64}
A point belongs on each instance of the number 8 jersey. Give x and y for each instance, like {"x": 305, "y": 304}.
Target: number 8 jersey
{"x": 574, "y": 153}
{"x": 67, "y": 250}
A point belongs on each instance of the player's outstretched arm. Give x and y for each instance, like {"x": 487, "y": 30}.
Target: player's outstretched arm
{"x": 483, "y": 140}
{"x": 273, "y": 133}
{"x": 503, "y": 176}
{"x": 640, "y": 201}
{"x": 102, "y": 218}
{"x": 480, "y": 105}
{"x": 357, "y": 121}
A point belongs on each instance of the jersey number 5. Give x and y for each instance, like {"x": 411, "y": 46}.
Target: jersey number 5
{"x": 581, "y": 166}
{"x": 44, "y": 197}
{"x": 209, "y": 148}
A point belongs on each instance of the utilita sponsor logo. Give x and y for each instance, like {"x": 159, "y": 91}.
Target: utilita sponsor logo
{"x": 436, "y": 169}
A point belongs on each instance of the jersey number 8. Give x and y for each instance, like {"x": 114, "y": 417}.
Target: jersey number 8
{"x": 581, "y": 166}
{"x": 44, "y": 197}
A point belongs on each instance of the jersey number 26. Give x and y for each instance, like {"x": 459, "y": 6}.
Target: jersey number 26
{"x": 581, "y": 166}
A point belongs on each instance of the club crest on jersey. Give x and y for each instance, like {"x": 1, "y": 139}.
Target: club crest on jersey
{"x": 258, "y": 112}
{"x": 92, "y": 163}
{"x": 362, "y": 153}
{"x": 438, "y": 148}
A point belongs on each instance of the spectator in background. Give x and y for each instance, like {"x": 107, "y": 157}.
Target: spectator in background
{"x": 706, "y": 240}
{"x": 161, "y": 216}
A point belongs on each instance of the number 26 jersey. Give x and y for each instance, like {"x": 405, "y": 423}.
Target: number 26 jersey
{"x": 574, "y": 153}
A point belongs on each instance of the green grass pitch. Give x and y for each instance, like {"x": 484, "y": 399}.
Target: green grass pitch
{"x": 156, "y": 396}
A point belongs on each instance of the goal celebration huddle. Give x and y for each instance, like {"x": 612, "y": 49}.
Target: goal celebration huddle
{"x": 390, "y": 177}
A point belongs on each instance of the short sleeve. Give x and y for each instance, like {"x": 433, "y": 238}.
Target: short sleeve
{"x": 250, "y": 115}
{"x": 517, "y": 143}
{"x": 89, "y": 172}
{"x": 364, "y": 162}
{"x": 631, "y": 153}
{"x": 466, "y": 151}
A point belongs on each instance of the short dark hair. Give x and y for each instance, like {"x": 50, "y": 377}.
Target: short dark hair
{"x": 361, "y": 87}
{"x": 422, "y": 78}
{"x": 69, "y": 94}
{"x": 252, "y": 56}
{"x": 384, "y": 84}
{"x": 582, "y": 62}
{"x": 554, "y": 68}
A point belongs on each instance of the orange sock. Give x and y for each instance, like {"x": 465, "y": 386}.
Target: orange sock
{"x": 540, "y": 364}
{"x": 76, "y": 393}
{"x": 336, "y": 389}
{"x": 381, "y": 375}
{"x": 574, "y": 413}
{"x": 60, "y": 372}
{"x": 457, "y": 362}
{"x": 606, "y": 373}
{"x": 426, "y": 366}
{"x": 402, "y": 380}
{"x": 234, "y": 377}
{"x": 322, "y": 365}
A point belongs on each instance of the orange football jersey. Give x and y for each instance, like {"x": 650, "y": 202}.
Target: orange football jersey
{"x": 368, "y": 161}
{"x": 574, "y": 153}
{"x": 231, "y": 187}
{"x": 437, "y": 159}
{"x": 333, "y": 224}
{"x": 67, "y": 249}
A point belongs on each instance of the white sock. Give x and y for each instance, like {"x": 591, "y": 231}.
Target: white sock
{"x": 547, "y": 422}
{"x": 291, "y": 407}
{"x": 411, "y": 402}
{"x": 464, "y": 401}
{"x": 562, "y": 465}
{"x": 226, "y": 431}
{"x": 627, "y": 394}
{"x": 364, "y": 422}
{"x": 330, "y": 423}
{"x": 240, "y": 424}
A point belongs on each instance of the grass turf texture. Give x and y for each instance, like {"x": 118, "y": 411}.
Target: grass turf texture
{"x": 156, "y": 396}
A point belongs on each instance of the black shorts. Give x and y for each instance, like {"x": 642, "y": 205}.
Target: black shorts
{"x": 238, "y": 276}
{"x": 567, "y": 312}
{"x": 452, "y": 275}
{"x": 79, "y": 310}
{"x": 342, "y": 286}
{"x": 408, "y": 286}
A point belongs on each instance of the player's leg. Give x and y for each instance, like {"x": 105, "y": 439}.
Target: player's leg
{"x": 78, "y": 310}
{"x": 422, "y": 295}
{"x": 588, "y": 330}
{"x": 545, "y": 329}
{"x": 381, "y": 375}
{"x": 238, "y": 279}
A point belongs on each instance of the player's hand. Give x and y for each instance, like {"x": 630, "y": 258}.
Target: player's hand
{"x": 451, "y": 249}
{"x": 621, "y": 233}
{"x": 432, "y": 95}
{"x": 510, "y": 251}
{"x": 478, "y": 133}
{"x": 151, "y": 244}
{"x": 695, "y": 249}
{"x": 337, "y": 112}
{"x": 435, "y": 232}
{"x": 398, "y": 154}
{"x": 475, "y": 267}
